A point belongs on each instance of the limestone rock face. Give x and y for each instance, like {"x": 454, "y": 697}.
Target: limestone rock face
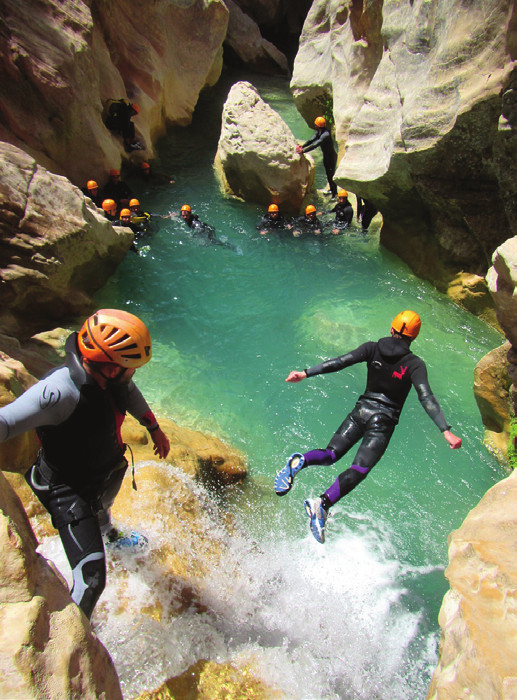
{"x": 478, "y": 650}
{"x": 57, "y": 247}
{"x": 46, "y": 644}
{"x": 256, "y": 156}
{"x": 502, "y": 282}
{"x": 245, "y": 39}
{"x": 491, "y": 389}
{"x": 60, "y": 60}
{"x": 421, "y": 94}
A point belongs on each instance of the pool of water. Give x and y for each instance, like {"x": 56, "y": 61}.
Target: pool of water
{"x": 228, "y": 324}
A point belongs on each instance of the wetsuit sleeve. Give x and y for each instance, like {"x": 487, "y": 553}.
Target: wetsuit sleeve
{"x": 49, "y": 402}
{"x": 360, "y": 354}
{"x": 316, "y": 141}
{"x": 427, "y": 398}
{"x": 139, "y": 408}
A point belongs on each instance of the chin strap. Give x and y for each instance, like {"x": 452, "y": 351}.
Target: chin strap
{"x": 133, "y": 480}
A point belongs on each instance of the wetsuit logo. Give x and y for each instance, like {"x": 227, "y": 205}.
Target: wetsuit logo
{"x": 400, "y": 375}
{"x": 49, "y": 397}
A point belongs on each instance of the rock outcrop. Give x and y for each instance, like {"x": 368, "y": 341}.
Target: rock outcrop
{"x": 47, "y": 646}
{"x": 60, "y": 61}
{"x": 256, "y": 156}
{"x": 478, "y": 650}
{"x": 422, "y": 95}
{"x": 56, "y": 248}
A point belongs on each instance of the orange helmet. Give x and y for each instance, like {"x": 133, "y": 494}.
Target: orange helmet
{"x": 342, "y": 193}
{"x": 310, "y": 209}
{"x": 115, "y": 336}
{"x": 145, "y": 166}
{"x": 135, "y": 107}
{"x": 186, "y": 207}
{"x": 114, "y": 172}
{"x": 91, "y": 185}
{"x": 320, "y": 122}
{"x": 134, "y": 202}
{"x": 407, "y": 323}
{"x": 125, "y": 212}
{"x": 273, "y": 207}
{"x": 110, "y": 206}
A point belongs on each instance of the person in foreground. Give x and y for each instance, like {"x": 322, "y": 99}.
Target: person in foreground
{"x": 77, "y": 410}
{"x": 392, "y": 369}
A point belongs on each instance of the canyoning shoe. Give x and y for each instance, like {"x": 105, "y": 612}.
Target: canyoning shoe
{"x": 318, "y": 518}
{"x": 117, "y": 540}
{"x": 285, "y": 477}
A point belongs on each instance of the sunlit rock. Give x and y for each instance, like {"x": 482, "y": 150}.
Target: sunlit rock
{"x": 250, "y": 47}
{"x": 57, "y": 247}
{"x": 478, "y": 617}
{"x": 502, "y": 282}
{"x": 421, "y": 95}
{"x": 211, "y": 680}
{"x": 491, "y": 389}
{"x": 62, "y": 60}
{"x": 47, "y": 648}
{"x": 256, "y": 157}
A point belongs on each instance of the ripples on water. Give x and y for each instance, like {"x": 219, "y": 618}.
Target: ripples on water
{"x": 357, "y": 617}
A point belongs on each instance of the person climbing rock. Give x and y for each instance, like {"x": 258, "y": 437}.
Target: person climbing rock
{"x": 323, "y": 138}
{"x": 392, "y": 369}
{"x": 118, "y": 119}
{"x": 77, "y": 411}
{"x": 309, "y": 223}
{"x": 272, "y": 220}
{"x": 344, "y": 212}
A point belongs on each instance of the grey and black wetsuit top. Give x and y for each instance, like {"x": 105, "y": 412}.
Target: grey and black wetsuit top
{"x": 77, "y": 422}
{"x": 324, "y": 141}
{"x": 392, "y": 370}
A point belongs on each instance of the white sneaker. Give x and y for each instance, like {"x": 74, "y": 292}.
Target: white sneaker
{"x": 318, "y": 518}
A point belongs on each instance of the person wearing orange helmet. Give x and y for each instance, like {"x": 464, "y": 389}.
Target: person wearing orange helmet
{"x": 117, "y": 189}
{"x": 272, "y": 220}
{"x": 109, "y": 207}
{"x": 118, "y": 119}
{"x": 344, "y": 212}
{"x": 323, "y": 138}
{"x": 92, "y": 191}
{"x": 205, "y": 232}
{"x": 77, "y": 411}
{"x": 392, "y": 369}
{"x": 308, "y": 223}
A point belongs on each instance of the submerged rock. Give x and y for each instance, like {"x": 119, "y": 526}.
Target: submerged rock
{"x": 421, "y": 94}
{"x": 256, "y": 156}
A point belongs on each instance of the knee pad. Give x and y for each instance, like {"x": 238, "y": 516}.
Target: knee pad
{"x": 89, "y": 581}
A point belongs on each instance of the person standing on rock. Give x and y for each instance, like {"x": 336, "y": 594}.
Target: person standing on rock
{"x": 77, "y": 411}
{"x": 365, "y": 212}
{"x": 323, "y": 139}
{"x": 392, "y": 369}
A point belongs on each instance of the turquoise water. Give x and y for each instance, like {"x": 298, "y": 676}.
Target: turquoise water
{"x": 228, "y": 324}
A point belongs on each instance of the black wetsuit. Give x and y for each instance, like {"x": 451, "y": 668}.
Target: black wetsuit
{"x": 365, "y": 211}
{"x": 201, "y": 229}
{"x": 119, "y": 191}
{"x": 81, "y": 464}
{"x": 119, "y": 117}
{"x": 306, "y": 224}
{"x": 97, "y": 200}
{"x": 323, "y": 139}
{"x": 344, "y": 214}
{"x": 269, "y": 222}
{"x": 392, "y": 369}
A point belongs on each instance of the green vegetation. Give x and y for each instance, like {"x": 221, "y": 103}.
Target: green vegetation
{"x": 326, "y": 105}
{"x": 512, "y": 447}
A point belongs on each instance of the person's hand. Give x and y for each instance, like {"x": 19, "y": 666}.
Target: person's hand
{"x": 335, "y": 230}
{"x": 299, "y": 149}
{"x": 453, "y": 440}
{"x": 161, "y": 443}
{"x": 263, "y": 232}
{"x": 295, "y": 376}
